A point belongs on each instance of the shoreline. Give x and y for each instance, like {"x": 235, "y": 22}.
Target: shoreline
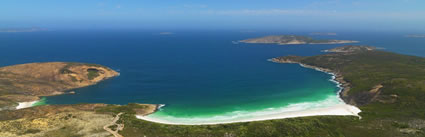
{"x": 22, "y": 105}
{"x": 345, "y": 109}
{"x": 336, "y": 77}
{"x": 336, "y": 110}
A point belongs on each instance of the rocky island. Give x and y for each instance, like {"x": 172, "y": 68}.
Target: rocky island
{"x": 26, "y": 82}
{"x": 293, "y": 40}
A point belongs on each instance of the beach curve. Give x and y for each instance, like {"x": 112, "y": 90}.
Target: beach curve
{"x": 321, "y": 108}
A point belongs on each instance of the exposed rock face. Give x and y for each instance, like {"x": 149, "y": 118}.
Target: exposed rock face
{"x": 28, "y": 81}
{"x": 293, "y": 40}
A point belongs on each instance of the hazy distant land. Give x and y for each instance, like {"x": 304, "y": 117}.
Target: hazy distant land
{"x": 324, "y": 33}
{"x": 293, "y": 40}
{"x": 35, "y": 29}
{"x": 415, "y": 36}
{"x": 166, "y": 33}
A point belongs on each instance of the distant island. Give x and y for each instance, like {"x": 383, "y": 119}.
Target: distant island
{"x": 415, "y": 36}
{"x": 166, "y": 33}
{"x": 34, "y": 29}
{"x": 324, "y": 33}
{"x": 293, "y": 40}
{"x": 26, "y": 82}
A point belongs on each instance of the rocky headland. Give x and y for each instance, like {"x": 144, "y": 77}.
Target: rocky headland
{"x": 336, "y": 63}
{"x": 26, "y": 82}
{"x": 345, "y": 86}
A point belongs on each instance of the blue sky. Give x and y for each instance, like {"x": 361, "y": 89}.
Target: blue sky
{"x": 216, "y": 14}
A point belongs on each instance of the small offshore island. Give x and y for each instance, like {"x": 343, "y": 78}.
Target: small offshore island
{"x": 293, "y": 40}
{"x": 387, "y": 87}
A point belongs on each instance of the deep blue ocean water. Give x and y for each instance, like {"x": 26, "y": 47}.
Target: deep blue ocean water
{"x": 196, "y": 74}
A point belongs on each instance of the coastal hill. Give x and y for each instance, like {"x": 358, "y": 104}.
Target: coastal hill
{"x": 371, "y": 75}
{"x": 351, "y": 49}
{"x": 78, "y": 120}
{"x": 25, "y": 82}
{"x": 293, "y": 40}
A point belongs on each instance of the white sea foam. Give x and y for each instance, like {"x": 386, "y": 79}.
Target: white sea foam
{"x": 22, "y": 105}
{"x": 160, "y": 106}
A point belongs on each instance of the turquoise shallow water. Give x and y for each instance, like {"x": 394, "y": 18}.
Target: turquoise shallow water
{"x": 197, "y": 75}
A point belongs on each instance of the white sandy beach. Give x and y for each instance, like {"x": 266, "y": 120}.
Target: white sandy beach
{"x": 333, "y": 106}
{"x": 26, "y": 104}
{"x": 337, "y": 110}
{"x": 323, "y": 108}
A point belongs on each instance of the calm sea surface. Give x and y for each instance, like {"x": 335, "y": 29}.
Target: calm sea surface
{"x": 195, "y": 74}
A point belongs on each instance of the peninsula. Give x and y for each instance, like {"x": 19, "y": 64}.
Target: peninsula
{"x": 293, "y": 40}
{"x": 26, "y": 82}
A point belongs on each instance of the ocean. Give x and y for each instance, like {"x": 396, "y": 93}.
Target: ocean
{"x": 200, "y": 76}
